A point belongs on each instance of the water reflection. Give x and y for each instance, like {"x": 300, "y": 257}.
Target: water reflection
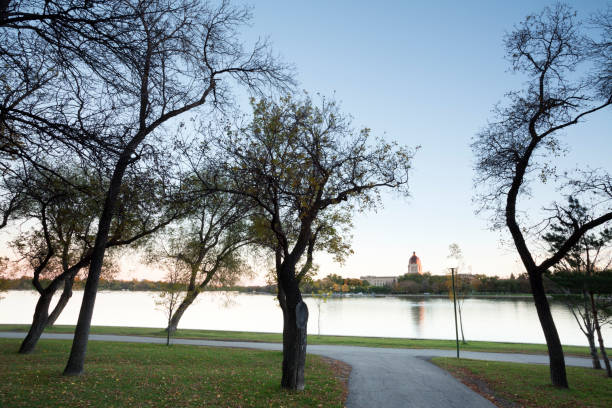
{"x": 483, "y": 319}
{"x": 418, "y": 317}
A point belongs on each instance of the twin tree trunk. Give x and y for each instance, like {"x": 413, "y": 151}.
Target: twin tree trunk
{"x": 555, "y": 350}
{"x": 42, "y": 319}
{"x": 39, "y": 322}
{"x": 602, "y": 347}
{"x": 295, "y": 321}
{"x": 590, "y": 334}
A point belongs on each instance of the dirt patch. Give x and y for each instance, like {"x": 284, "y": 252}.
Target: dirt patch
{"x": 479, "y": 385}
{"x": 342, "y": 371}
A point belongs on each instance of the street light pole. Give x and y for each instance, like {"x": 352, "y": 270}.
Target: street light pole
{"x": 455, "y": 304}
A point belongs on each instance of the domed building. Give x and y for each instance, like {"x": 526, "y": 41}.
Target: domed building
{"x": 414, "y": 264}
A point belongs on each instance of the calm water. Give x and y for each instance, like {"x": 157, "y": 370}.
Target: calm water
{"x": 483, "y": 319}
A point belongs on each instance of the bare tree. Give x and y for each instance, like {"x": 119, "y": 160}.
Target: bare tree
{"x": 299, "y": 163}
{"x": 516, "y": 147}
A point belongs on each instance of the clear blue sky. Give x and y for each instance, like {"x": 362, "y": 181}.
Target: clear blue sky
{"x": 422, "y": 73}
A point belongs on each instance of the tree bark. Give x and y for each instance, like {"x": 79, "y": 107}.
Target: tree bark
{"x": 176, "y": 317}
{"x": 589, "y": 331}
{"x": 39, "y": 322}
{"x": 76, "y": 360}
{"x": 602, "y": 347}
{"x": 62, "y": 302}
{"x": 555, "y": 350}
{"x": 295, "y": 321}
{"x": 294, "y": 346}
{"x": 594, "y": 355}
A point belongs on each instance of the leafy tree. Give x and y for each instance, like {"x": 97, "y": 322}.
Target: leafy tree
{"x": 514, "y": 150}
{"x": 169, "y": 298}
{"x": 583, "y": 259}
{"x": 205, "y": 249}
{"x": 303, "y": 166}
{"x": 456, "y": 254}
{"x": 99, "y": 80}
{"x": 335, "y": 278}
{"x": 60, "y": 243}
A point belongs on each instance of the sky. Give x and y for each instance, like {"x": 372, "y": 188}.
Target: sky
{"x": 423, "y": 74}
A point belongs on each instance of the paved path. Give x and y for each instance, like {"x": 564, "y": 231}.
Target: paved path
{"x": 381, "y": 377}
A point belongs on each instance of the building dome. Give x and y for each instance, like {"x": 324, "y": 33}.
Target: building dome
{"x": 414, "y": 264}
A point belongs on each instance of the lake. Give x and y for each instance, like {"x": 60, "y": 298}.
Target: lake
{"x": 513, "y": 320}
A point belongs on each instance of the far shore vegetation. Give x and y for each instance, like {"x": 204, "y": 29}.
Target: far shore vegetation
{"x": 409, "y": 284}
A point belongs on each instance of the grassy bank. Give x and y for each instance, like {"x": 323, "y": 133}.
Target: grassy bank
{"x": 314, "y": 339}
{"x": 148, "y": 375}
{"x": 528, "y": 385}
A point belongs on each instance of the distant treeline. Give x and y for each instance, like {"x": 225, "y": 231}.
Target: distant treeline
{"x": 406, "y": 284}
{"x": 25, "y": 283}
{"x": 423, "y": 283}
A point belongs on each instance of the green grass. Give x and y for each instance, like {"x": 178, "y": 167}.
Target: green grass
{"x": 528, "y": 385}
{"x": 148, "y": 375}
{"x": 487, "y": 346}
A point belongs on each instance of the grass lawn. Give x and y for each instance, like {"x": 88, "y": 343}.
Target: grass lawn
{"x": 149, "y": 375}
{"x": 528, "y": 385}
{"x": 314, "y": 339}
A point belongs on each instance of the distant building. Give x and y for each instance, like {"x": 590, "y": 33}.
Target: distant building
{"x": 414, "y": 264}
{"x": 380, "y": 280}
{"x": 414, "y": 267}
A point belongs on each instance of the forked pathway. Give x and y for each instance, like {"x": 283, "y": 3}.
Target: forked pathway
{"x": 381, "y": 377}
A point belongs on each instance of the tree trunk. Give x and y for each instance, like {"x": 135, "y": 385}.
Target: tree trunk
{"x": 176, "y": 317}
{"x": 602, "y": 347}
{"x": 39, "y": 322}
{"x": 294, "y": 346}
{"x": 62, "y": 302}
{"x": 589, "y": 331}
{"x": 76, "y": 360}
{"x": 594, "y": 355}
{"x": 168, "y": 333}
{"x": 558, "y": 374}
{"x": 295, "y": 321}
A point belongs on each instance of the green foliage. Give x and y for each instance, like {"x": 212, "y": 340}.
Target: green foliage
{"x": 306, "y": 169}
{"x": 336, "y": 278}
{"x": 599, "y": 283}
{"x": 586, "y": 255}
{"x": 170, "y": 297}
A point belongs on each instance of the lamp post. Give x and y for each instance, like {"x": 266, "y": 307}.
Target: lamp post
{"x": 455, "y": 305}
